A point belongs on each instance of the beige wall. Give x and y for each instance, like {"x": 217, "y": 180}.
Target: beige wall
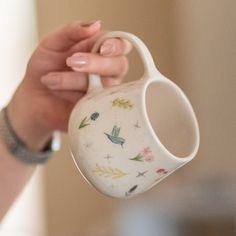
{"x": 193, "y": 43}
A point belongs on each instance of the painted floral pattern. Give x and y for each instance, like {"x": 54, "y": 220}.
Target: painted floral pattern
{"x": 131, "y": 190}
{"x": 161, "y": 172}
{"x": 144, "y": 155}
{"x": 141, "y": 174}
{"x": 110, "y": 172}
{"x": 86, "y": 121}
{"x": 122, "y": 103}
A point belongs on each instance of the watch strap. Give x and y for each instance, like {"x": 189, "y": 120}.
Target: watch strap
{"x": 18, "y": 148}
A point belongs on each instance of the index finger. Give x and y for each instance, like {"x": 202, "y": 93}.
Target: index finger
{"x": 115, "y": 47}
{"x": 110, "y": 47}
{"x": 64, "y": 38}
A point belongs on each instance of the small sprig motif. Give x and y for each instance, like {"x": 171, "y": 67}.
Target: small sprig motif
{"x": 122, "y": 103}
{"x": 85, "y": 121}
{"x": 114, "y": 173}
{"x": 161, "y": 172}
{"x": 131, "y": 190}
{"x": 138, "y": 157}
{"x": 142, "y": 174}
{"x": 136, "y": 125}
{"x": 144, "y": 155}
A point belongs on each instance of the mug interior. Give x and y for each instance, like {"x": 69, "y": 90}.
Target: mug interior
{"x": 171, "y": 118}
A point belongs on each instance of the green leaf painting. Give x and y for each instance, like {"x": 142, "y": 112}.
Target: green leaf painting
{"x": 144, "y": 155}
{"x": 110, "y": 172}
{"x": 139, "y": 157}
{"x": 85, "y": 121}
{"x": 122, "y": 103}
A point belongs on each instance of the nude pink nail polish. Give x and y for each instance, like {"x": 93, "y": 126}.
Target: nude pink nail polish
{"x": 77, "y": 61}
{"x": 89, "y": 23}
{"x": 107, "y": 49}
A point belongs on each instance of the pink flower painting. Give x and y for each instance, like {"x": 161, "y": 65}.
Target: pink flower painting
{"x": 144, "y": 155}
{"x": 161, "y": 171}
{"x": 149, "y": 158}
{"x": 146, "y": 151}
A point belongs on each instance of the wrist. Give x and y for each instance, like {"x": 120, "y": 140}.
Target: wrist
{"x": 26, "y": 125}
{"x": 17, "y": 147}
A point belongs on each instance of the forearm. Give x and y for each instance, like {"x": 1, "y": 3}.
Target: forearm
{"x": 15, "y": 173}
{"x": 13, "y": 176}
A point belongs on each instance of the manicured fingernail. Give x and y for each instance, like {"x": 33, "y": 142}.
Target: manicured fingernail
{"x": 77, "y": 61}
{"x": 49, "y": 81}
{"x": 89, "y": 23}
{"x": 107, "y": 49}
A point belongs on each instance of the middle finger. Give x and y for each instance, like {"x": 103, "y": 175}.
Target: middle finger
{"x": 97, "y": 64}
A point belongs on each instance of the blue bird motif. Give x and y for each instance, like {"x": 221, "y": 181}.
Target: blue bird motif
{"x": 114, "y": 136}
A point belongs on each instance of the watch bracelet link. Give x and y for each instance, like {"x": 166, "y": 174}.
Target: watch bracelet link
{"x": 17, "y": 147}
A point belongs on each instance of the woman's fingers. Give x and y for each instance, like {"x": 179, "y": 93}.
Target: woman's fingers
{"x": 74, "y": 81}
{"x": 115, "y": 47}
{"x": 72, "y": 33}
{"x": 68, "y": 80}
{"x": 110, "y": 63}
{"x": 110, "y": 47}
{"x": 97, "y": 64}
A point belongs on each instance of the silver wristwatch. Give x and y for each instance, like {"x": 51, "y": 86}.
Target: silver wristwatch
{"x": 17, "y": 147}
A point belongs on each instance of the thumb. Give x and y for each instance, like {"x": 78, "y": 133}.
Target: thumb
{"x": 62, "y": 39}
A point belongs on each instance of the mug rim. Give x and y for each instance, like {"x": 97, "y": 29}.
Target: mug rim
{"x": 194, "y": 121}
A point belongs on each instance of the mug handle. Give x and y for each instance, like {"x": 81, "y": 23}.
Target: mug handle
{"x": 150, "y": 70}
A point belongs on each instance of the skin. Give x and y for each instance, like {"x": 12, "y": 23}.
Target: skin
{"x": 54, "y": 81}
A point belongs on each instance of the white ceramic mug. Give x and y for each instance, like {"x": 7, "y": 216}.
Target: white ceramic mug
{"x": 126, "y": 138}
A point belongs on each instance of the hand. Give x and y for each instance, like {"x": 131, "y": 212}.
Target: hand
{"x": 44, "y": 100}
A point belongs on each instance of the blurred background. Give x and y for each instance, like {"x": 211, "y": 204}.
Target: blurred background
{"x": 193, "y": 44}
